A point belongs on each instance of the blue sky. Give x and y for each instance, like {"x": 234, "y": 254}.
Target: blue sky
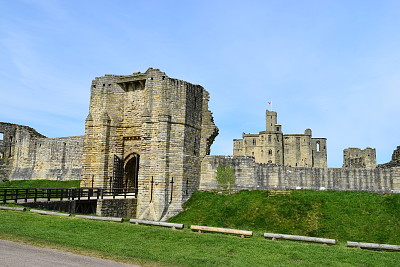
{"x": 332, "y": 66}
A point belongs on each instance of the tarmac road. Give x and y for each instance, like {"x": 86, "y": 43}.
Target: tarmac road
{"x": 18, "y": 255}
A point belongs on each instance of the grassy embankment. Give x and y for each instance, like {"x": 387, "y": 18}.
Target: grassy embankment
{"x": 345, "y": 216}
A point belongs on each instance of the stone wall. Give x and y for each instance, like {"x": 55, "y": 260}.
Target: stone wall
{"x": 250, "y": 175}
{"x": 25, "y": 154}
{"x": 122, "y": 208}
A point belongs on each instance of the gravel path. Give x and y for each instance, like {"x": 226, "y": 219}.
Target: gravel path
{"x": 18, "y": 255}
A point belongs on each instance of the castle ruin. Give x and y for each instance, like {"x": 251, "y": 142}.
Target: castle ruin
{"x": 26, "y": 154}
{"x": 395, "y": 162}
{"x": 359, "y": 158}
{"x": 272, "y": 146}
{"x": 151, "y": 133}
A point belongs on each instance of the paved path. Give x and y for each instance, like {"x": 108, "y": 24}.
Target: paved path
{"x": 18, "y": 255}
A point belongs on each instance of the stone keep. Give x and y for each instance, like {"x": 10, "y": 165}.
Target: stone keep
{"x": 272, "y": 146}
{"x": 149, "y": 132}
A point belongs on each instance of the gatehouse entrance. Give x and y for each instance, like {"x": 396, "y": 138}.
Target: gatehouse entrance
{"x": 131, "y": 171}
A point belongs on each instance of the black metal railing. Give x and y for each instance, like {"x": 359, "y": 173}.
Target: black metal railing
{"x": 13, "y": 194}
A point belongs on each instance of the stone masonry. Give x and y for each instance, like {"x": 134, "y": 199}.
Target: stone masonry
{"x": 359, "y": 158}
{"x": 26, "y": 154}
{"x": 250, "y": 175}
{"x": 149, "y": 132}
{"x": 272, "y": 146}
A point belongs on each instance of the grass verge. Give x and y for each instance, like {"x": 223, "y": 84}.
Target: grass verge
{"x": 155, "y": 246}
{"x": 42, "y": 183}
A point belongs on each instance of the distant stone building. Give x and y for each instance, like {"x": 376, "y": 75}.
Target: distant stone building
{"x": 26, "y": 154}
{"x": 272, "y": 146}
{"x": 359, "y": 158}
{"x": 149, "y": 132}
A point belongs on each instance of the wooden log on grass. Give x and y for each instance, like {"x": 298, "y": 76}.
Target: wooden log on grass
{"x": 164, "y": 224}
{"x": 98, "y": 218}
{"x": 43, "y": 212}
{"x": 201, "y": 229}
{"x": 373, "y": 246}
{"x": 301, "y": 238}
{"x": 12, "y": 208}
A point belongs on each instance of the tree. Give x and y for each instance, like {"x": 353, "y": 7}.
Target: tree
{"x": 225, "y": 177}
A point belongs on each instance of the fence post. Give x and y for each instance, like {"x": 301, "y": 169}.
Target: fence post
{"x": 5, "y": 196}
{"x": 35, "y": 196}
{"x": 16, "y": 195}
{"x": 151, "y": 190}
{"x": 172, "y": 189}
{"x": 48, "y": 191}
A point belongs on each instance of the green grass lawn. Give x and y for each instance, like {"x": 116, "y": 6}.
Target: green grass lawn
{"x": 345, "y": 216}
{"x": 42, "y": 183}
{"x": 156, "y": 246}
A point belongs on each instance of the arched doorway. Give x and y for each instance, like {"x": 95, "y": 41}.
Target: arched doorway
{"x": 131, "y": 171}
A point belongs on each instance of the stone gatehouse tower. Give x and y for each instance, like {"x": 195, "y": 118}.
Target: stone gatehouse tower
{"x": 149, "y": 132}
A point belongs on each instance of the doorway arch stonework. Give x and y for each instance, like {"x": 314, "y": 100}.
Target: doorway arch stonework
{"x": 131, "y": 171}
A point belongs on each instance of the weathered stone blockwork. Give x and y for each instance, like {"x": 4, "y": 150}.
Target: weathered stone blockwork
{"x": 25, "y": 154}
{"x": 359, "y": 158}
{"x": 122, "y": 208}
{"x": 153, "y": 128}
{"x": 250, "y": 175}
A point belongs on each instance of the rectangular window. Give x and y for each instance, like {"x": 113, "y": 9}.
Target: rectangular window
{"x": 1, "y": 136}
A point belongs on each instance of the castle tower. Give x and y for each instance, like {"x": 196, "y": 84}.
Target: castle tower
{"x": 271, "y": 121}
{"x": 319, "y": 152}
{"x": 272, "y": 146}
{"x": 148, "y": 132}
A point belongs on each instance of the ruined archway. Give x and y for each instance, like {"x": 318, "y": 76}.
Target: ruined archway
{"x": 131, "y": 171}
